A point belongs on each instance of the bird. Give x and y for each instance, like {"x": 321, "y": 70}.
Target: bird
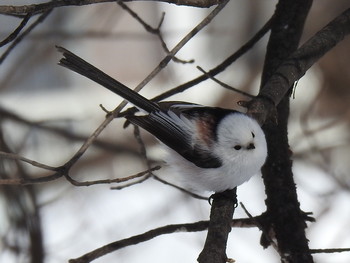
{"x": 210, "y": 149}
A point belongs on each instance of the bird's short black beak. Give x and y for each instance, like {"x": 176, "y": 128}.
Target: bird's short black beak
{"x": 251, "y": 146}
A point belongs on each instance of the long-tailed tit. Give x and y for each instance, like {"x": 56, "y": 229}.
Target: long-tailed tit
{"x": 211, "y": 149}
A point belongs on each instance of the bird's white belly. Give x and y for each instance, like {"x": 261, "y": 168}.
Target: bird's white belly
{"x": 197, "y": 179}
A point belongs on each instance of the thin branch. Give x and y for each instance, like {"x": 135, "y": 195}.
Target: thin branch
{"x": 169, "y": 229}
{"x": 15, "y": 33}
{"x": 135, "y": 182}
{"x": 180, "y": 188}
{"x": 43, "y": 125}
{"x": 221, "y": 67}
{"x": 110, "y": 181}
{"x": 22, "y": 10}
{"x": 13, "y": 156}
{"x": 30, "y": 181}
{"x": 40, "y": 19}
{"x": 258, "y": 221}
{"x": 329, "y": 250}
{"x": 224, "y": 84}
{"x": 183, "y": 41}
{"x": 153, "y": 30}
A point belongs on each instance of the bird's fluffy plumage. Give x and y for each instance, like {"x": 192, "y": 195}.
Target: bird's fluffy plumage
{"x": 210, "y": 148}
{"x": 237, "y": 165}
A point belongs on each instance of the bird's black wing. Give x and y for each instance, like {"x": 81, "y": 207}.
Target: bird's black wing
{"x": 178, "y": 133}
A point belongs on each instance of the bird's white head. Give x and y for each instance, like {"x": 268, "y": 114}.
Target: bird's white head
{"x": 241, "y": 142}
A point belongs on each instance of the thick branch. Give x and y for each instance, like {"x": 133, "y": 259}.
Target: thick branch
{"x": 300, "y": 61}
{"x": 294, "y": 67}
{"x": 223, "y": 206}
{"x": 286, "y": 219}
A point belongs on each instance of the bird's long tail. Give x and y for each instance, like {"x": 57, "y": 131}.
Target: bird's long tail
{"x": 80, "y": 66}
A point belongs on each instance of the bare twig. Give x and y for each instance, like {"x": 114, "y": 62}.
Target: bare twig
{"x": 224, "y": 84}
{"x": 221, "y": 67}
{"x": 13, "y": 156}
{"x": 110, "y": 181}
{"x": 169, "y": 229}
{"x": 329, "y": 250}
{"x": 15, "y": 33}
{"x": 44, "y": 125}
{"x": 189, "y": 36}
{"x": 40, "y": 19}
{"x": 257, "y": 222}
{"x": 134, "y": 182}
{"x": 153, "y": 30}
{"x": 22, "y": 10}
{"x": 180, "y": 188}
{"x": 29, "y": 181}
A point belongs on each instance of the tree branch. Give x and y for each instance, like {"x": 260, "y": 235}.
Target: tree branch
{"x": 19, "y": 38}
{"x": 221, "y": 67}
{"x": 23, "y": 10}
{"x": 110, "y": 181}
{"x": 214, "y": 71}
{"x": 285, "y": 218}
{"x": 153, "y": 30}
{"x": 329, "y": 250}
{"x": 296, "y": 65}
{"x": 15, "y": 33}
{"x": 222, "y": 209}
{"x": 13, "y": 156}
{"x": 169, "y": 229}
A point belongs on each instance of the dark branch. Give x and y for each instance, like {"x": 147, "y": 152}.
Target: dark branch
{"x": 224, "y": 85}
{"x": 15, "y": 33}
{"x": 294, "y": 67}
{"x": 329, "y": 250}
{"x": 169, "y": 229}
{"x": 285, "y": 219}
{"x": 19, "y": 38}
{"x": 110, "y": 181}
{"x": 221, "y": 67}
{"x": 23, "y": 10}
{"x": 222, "y": 209}
{"x": 153, "y": 30}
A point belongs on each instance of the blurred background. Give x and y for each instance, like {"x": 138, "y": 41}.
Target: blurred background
{"x": 47, "y": 112}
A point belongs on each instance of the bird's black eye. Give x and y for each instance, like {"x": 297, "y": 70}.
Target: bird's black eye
{"x": 237, "y": 147}
{"x": 253, "y": 135}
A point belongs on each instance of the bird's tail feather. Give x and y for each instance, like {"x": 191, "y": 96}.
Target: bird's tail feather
{"x": 80, "y": 66}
